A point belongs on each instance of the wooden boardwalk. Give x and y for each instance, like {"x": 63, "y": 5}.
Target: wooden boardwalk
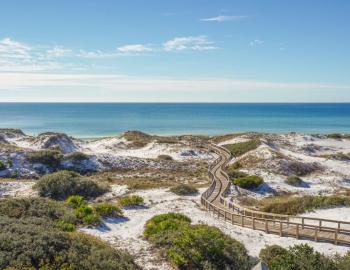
{"x": 213, "y": 199}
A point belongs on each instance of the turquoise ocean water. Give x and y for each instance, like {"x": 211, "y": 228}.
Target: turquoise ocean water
{"x": 103, "y": 119}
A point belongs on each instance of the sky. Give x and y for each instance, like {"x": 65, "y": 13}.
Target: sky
{"x": 175, "y": 51}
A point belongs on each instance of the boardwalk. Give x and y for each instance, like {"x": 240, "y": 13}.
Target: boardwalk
{"x": 213, "y": 199}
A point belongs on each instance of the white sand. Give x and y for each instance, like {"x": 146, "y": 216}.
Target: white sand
{"x": 127, "y": 233}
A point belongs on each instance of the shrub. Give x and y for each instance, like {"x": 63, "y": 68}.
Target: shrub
{"x": 294, "y": 181}
{"x": 236, "y": 174}
{"x": 239, "y": 149}
{"x": 183, "y": 189}
{"x": 108, "y": 210}
{"x": 248, "y": 182}
{"x": 66, "y": 227}
{"x": 38, "y": 208}
{"x": 2, "y": 166}
{"x": 51, "y": 158}
{"x": 76, "y": 156}
{"x": 87, "y": 215}
{"x": 195, "y": 246}
{"x": 298, "y": 205}
{"x": 62, "y": 184}
{"x": 75, "y": 201}
{"x": 298, "y": 257}
{"x": 132, "y": 200}
{"x": 165, "y": 157}
{"x": 36, "y": 243}
{"x": 336, "y": 136}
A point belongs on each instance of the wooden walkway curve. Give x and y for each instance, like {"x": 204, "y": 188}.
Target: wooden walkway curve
{"x": 214, "y": 200}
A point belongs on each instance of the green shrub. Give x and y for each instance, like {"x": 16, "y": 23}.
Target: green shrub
{"x": 336, "y": 136}
{"x": 184, "y": 189}
{"x": 63, "y": 184}
{"x": 132, "y": 200}
{"x": 297, "y": 205}
{"x": 37, "y": 207}
{"x": 195, "y": 246}
{"x": 108, "y": 210}
{"x": 294, "y": 181}
{"x": 51, "y": 158}
{"x": 76, "y": 156}
{"x": 239, "y": 149}
{"x": 165, "y": 157}
{"x": 248, "y": 182}
{"x": 87, "y": 215}
{"x": 75, "y": 201}
{"x": 66, "y": 227}
{"x": 298, "y": 257}
{"x": 2, "y": 166}
{"x": 236, "y": 174}
{"x": 36, "y": 243}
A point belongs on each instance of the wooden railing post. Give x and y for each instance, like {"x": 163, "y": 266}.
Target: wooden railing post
{"x": 297, "y": 231}
{"x": 336, "y": 237}
{"x": 242, "y": 221}
{"x": 281, "y": 229}
{"x": 253, "y": 223}
{"x": 266, "y": 226}
{"x": 316, "y": 236}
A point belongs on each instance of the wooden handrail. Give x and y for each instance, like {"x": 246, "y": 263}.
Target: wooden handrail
{"x": 268, "y": 222}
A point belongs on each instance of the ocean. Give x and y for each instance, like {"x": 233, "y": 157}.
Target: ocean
{"x": 89, "y": 120}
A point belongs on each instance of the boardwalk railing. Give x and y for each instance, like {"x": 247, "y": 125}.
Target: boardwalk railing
{"x": 213, "y": 199}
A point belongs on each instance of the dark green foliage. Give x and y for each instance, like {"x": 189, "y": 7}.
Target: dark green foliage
{"x": 79, "y": 156}
{"x": 75, "y": 201}
{"x": 165, "y": 157}
{"x": 297, "y": 205}
{"x": 38, "y": 208}
{"x": 184, "y": 189}
{"x": 236, "y": 174}
{"x": 132, "y": 200}
{"x": 2, "y": 166}
{"x": 298, "y": 257}
{"x": 195, "y": 246}
{"x": 335, "y": 136}
{"x": 51, "y": 158}
{"x": 62, "y": 184}
{"x": 248, "y": 182}
{"x": 34, "y": 243}
{"x": 294, "y": 181}
{"x": 239, "y": 149}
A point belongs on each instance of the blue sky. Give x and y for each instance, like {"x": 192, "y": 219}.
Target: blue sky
{"x": 183, "y": 50}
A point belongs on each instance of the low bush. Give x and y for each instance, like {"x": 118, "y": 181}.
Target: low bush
{"x": 63, "y": 184}
{"x": 75, "y": 201}
{"x": 239, "y": 149}
{"x": 248, "y": 182}
{"x": 291, "y": 205}
{"x": 236, "y": 174}
{"x": 37, "y": 243}
{"x": 298, "y": 257}
{"x": 51, "y": 158}
{"x": 2, "y": 166}
{"x": 132, "y": 200}
{"x": 294, "y": 181}
{"x": 87, "y": 215}
{"x": 76, "y": 156}
{"x": 165, "y": 157}
{"x": 108, "y": 210}
{"x": 195, "y": 246}
{"x": 184, "y": 189}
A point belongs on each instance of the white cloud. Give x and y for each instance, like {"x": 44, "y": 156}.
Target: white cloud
{"x": 13, "y": 49}
{"x": 96, "y": 54}
{"x": 58, "y": 51}
{"x": 134, "y": 48}
{"x": 223, "y": 18}
{"x": 197, "y": 43}
{"x": 256, "y": 42}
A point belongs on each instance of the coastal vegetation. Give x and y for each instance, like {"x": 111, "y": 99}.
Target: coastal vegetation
{"x": 195, "y": 246}
{"x": 294, "y": 181}
{"x": 165, "y": 157}
{"x": 243, "y": 179}
{"x": 131, "y": 201}
{"x": 239, "y": 149}
{"x": 51, "y": 158}
{"x": 2, "y": 166}
{"x": 300, "y": 257}
{"x": 40, "y": 234}
{"x": 184, "y": 189}
{"x": 62, "y": 184}
{"x": 292, "y": 205}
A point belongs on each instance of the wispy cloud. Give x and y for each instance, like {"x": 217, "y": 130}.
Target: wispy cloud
{"x": 58, "y": 51}
{"x": 224, "y": 18}
{"x": 97, "y": 54}
{"x": 135, "y": 48}
{"x": 196, "y": 43}
{"x": 256, "y": 42}
{"x": 10, "y": 48}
